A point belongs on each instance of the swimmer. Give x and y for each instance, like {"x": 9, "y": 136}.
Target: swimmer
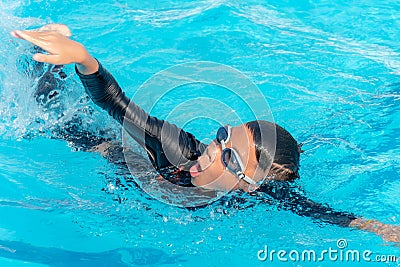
{"x": 237, "y": 159}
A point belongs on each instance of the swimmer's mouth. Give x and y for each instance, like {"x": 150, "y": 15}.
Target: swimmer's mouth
{"x": 195, "y": 170}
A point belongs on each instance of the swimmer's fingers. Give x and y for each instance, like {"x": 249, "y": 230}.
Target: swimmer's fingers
{"x": 41, "y": 39}
{"x": 60, "y": 28}
{"x": 35, "y": 38}
{"x": 61, "y": 49}
{"x": 15, "y": 35}
{"x": 52, "y": 59}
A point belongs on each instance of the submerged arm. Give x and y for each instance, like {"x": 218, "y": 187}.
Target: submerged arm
{"x": 289, "y": 198}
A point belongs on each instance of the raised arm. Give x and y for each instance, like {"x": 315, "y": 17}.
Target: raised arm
{"x": 177, "y": 147}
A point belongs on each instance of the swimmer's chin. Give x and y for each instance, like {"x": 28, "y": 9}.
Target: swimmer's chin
{"x": 195, "y": 181}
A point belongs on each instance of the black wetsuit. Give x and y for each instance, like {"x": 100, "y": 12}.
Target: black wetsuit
{"x": 106, "y": 93}
{"x": 147, "y": 130}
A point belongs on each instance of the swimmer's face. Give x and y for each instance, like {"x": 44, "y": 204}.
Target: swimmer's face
{"x": 210, "y": 171}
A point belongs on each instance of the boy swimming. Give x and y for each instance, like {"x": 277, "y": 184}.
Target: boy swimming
{"x": 241, "y": 157}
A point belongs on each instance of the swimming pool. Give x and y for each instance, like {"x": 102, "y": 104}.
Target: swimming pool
{"x": 330, "y": 75}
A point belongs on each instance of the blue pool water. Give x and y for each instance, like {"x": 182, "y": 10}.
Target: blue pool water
{"x": 330, "y": 73}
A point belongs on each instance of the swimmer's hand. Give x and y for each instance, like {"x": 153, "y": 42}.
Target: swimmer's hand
{"x": 388, "y": 232}
{"x": 55, "y": 27}
{"x": 61, "y": 49}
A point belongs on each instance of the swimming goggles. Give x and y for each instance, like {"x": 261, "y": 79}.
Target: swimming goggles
{"x": 230, "y": 157}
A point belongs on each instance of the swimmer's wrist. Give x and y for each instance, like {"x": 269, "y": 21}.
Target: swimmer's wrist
{"x": 368, "y": 225}
{"x": 88, "y": 65}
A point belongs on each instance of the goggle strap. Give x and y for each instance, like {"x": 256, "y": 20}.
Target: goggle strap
{"x": 247, "y": 179}
{"x": 229, "y": 131}
{"x": 223, "y": 146}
